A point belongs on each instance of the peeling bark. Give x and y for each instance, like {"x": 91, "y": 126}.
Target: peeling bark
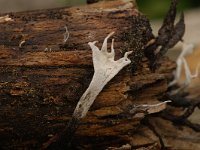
{"x": 40, "y": 88}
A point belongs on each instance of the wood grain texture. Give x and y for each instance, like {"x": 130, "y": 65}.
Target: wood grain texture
{"x": 39, "y": 89}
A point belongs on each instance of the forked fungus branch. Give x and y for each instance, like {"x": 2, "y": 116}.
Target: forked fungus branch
{"x": 105, "y": 68}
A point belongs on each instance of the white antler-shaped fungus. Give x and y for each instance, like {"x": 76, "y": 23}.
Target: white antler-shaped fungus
{"x": 5, "y": 18}
{"x": 186, "y": 50}
{"x": 105, "y": 68}
{"x": 188, "y": 75}
{"x": 66, "y": 35}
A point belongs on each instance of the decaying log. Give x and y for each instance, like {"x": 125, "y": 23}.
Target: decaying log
{"x": 42, "y": 78}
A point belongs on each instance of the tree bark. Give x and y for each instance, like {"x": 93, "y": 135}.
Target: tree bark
{"x": 42, "y": 78}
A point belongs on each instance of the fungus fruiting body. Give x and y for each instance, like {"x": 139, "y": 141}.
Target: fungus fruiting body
{"x": 105, "y": 68}
{"x": 186, "y": 50}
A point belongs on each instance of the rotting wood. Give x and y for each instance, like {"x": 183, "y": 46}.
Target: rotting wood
{"x": 39, "y": 89}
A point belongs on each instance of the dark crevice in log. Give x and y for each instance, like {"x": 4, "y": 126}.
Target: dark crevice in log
{"x": 180, "y": 100}
{"x": 147, "y": 123}
{"x": 181, "y": 122}
{"x": 63, "y": 140}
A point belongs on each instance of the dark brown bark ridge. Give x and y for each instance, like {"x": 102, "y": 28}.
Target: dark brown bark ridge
{"x": 42, "y": 80}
